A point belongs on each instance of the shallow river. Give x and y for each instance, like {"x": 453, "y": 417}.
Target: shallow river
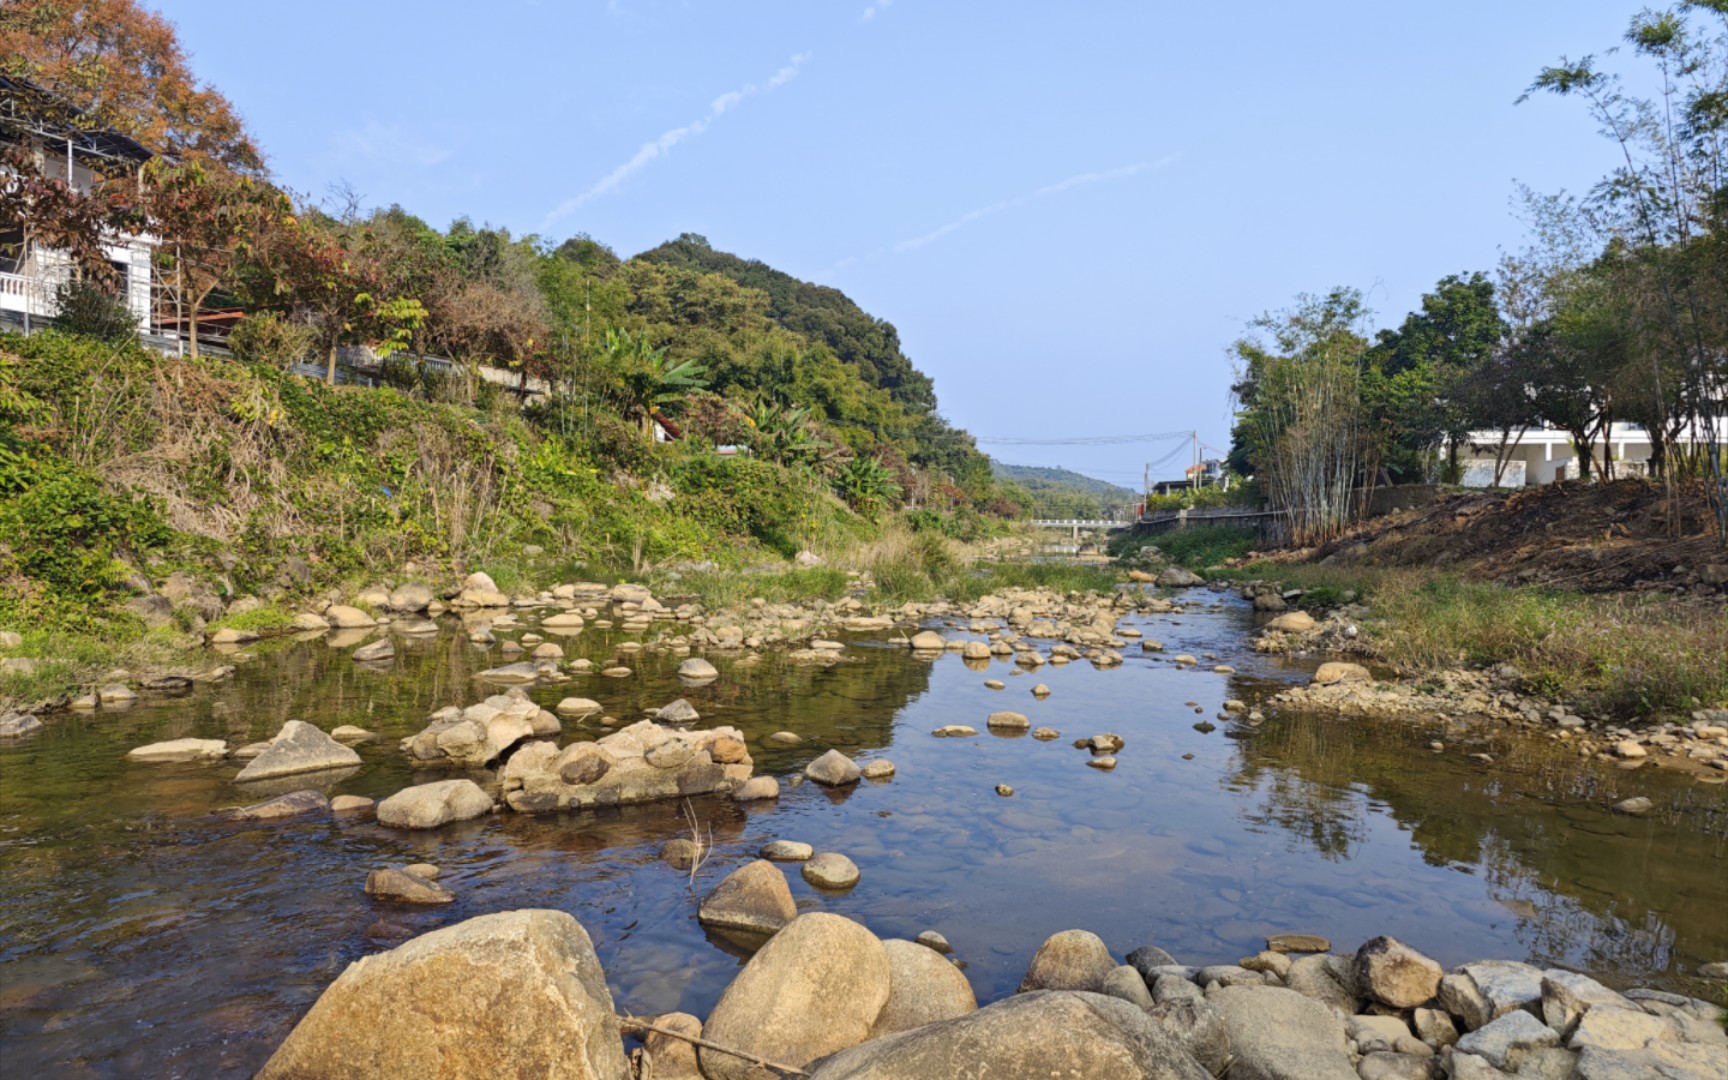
{"x": 140, "y": 935}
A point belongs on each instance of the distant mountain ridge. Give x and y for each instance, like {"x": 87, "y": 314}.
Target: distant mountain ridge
{"x": 1063, "y": 492}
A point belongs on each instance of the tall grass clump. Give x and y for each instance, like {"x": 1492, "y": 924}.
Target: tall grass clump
{"x": 1621, "y": 656}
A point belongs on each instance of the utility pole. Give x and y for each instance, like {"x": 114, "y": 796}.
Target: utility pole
{"x": 1146, "y": 491}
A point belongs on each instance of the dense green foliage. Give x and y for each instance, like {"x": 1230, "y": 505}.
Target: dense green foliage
{"x": 117, "y": 464}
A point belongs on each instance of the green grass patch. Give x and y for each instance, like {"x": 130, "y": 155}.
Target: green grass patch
{"x": 1195, "y": 548}
{"x": 258, "y": 621}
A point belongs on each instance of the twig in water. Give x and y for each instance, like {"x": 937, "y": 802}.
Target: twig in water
{"x": 696, "y": 1040}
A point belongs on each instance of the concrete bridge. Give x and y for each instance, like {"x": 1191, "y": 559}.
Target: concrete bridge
{"x": 1264, "y": 522}
{"x": 1076, "y": 526}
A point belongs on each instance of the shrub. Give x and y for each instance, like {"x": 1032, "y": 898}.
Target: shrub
{"x": 85, "y": 308}
{"x": 268, "y": 339}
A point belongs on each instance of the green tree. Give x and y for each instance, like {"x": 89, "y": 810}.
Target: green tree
{"x": 647, "y": 380}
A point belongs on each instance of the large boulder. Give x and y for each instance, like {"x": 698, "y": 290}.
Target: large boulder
{"x": 1175, "y": 577}
{"x": 928, "y": 641}
{"x": 817, "y": 987}
{"x": 343, "y": 617}
{"x": 298, "y": 748}
{"x": 427, "y": 806}
{"x": 923, "y": 988}
{"x": 644, "y": 762}
{"x": 1394, "y": 974}
{"x": 1034, "y": 1036}
{"x": 754, "y": 898}
{"x": 1278, "y": 1034}
{"x": 412, "y": 597}
{"x": 519, "y": 994}
{"x": 1069, "y": 960}
{"x": 474, "y": 737}
{"x": 1503, "y": 985}
{"x": 1292, "y": 622}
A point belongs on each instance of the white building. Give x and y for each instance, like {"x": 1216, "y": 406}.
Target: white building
{"x": 1543, "y": 455}
{"x": 30, "y": 273}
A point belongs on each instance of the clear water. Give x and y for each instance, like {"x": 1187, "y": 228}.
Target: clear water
{"x": 141, "y": 935}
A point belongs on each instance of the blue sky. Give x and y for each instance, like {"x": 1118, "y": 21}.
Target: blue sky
{"x": 1069, "y": 210}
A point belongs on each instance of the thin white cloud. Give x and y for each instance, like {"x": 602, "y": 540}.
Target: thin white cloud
{"x": 375, "y": 143}
{"x": 875, "y": 9}
{"x": 1068, "y": 184}
{"x": 658, "y": 148}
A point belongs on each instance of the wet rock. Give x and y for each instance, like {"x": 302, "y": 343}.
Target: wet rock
{"x": 757, "y": 789}
{"x": 229, "y": 635}
{"x": 1280, "y": 1033}
{"x": 474, "y": 737}
{"x": 298, "y": 747}
{"x": 1637, "y": 806}
{"x": 930, "y": 939}
{"x": 1104, "y": 744}
{"x": 995, "y": 684}
{"x": 678, "y": 712}
{"x": 1334, "y": 672}
{"x": 1046, "y": 734}
{"x": 1008, "y": 721}
{"x": 880, "y": 769}
{"x": 1004, "y": 790}
{"x": 975, "y": 650}
{"x": 382, "y": 649}
{"x": 179, "y": 750}
{"x": 17, "y": 725}
{"x": 1174, "y": 577}
{"x": 1394, "y": 974}
{"x": 728, "y": 751}
{"x": 292, "y": 804}
{"x": 117, "y": 694}
{"x": 427, "y": 806}
{"x": 399, "y": 886}
{"x": 528, "y": 671}
{"x": 1105, "y": 763}
{"x": 1027, "y": 1037}
{"x": 349, "y": 733}
{"x": 786, "y": 851}
{"x": 923, "y": 988}
{"x": 644, "y": 762}
{"x": 697, "y": 669}
{"x": 578, "y": 707}
{"x": 351, "y": 804}
{"x": 786, "y": 738}
{"x": 547, "y": 1010}
{"x": 1511, "y": 1034}
{"x": 831, "y": 870}
{"x": 1041, "y": 691}
{"x": 1147, "y": 958}
{"x": 754, "y": 898}
{"x": 954, "y": 731}
{"x": 816, "y": 987}
{"x": 412, "y": 597}
{"x": 929, "y": 641}
{"x": 681, "y": 853}
{"x": 1196, "y": 1027}
{"x": 1069, "y": 960}
{"x": 833, "y": 769}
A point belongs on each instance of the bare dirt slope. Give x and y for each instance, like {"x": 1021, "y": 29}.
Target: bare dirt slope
{"x": 1586, "y": 537}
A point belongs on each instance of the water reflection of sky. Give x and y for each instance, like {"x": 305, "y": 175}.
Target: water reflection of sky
{"x": 138, "y": 936}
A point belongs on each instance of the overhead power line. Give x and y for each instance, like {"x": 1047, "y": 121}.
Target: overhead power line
{"x": 1084, "y": 440}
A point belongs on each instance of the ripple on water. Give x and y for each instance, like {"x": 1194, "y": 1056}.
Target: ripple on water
{"x": 140, "y": 935}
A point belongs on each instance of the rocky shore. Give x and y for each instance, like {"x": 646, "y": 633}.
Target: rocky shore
{"x": 1494, "y": 697}
{"x": 823, "y": 997}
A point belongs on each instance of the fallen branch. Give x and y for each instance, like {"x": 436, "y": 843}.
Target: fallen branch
{"x": 755, "y": 1059}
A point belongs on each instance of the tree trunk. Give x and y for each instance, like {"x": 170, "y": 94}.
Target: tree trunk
{"x": 330, "y": 364}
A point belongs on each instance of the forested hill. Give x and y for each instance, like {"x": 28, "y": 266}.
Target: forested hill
{"x": 819, "y": 313}
{"x": 1060, "y": 492}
